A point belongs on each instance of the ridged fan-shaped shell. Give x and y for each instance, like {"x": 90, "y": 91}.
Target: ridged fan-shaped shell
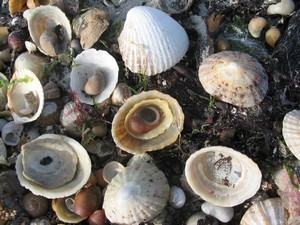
{"x": 136, "y": 194}
{"x": 151, "y": 41}
{"x": 222, "y": 176}
{"x": 268, "y": 212}
{"x": 234, "y": 77}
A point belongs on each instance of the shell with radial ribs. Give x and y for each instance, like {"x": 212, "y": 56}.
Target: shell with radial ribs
{"x": 222, "y": 176}
{"x": 151, "y": 41}
{"x": 270, "y": 211}
{"x": 137, "y": 194}
{"x": 234, "y": 77}
{"x": 147, "y": 121}
{"x": 49, "y": 29}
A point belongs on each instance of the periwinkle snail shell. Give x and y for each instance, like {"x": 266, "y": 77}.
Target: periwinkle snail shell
{"x": 35, "y": 205}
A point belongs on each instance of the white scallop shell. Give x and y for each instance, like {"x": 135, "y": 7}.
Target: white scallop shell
{"x": 136, "y": 194}
{"x": 222, "y": 176}
{"x": 291, "y": 131}
{"x": 151, "y": 41}
{"x": 82, "y": 173}
{"x": 85, "y": 65}
{"x": 16, "y": 96}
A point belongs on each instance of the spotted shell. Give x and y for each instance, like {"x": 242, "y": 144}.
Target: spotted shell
{"x": 234, "y": 77}
{"x": 151, "y": 41}
{"x": 222, "y": 176}
{"x": 136, "y": 194}
{"x": 147, "y": 136}
{"x": 268, "y": 212}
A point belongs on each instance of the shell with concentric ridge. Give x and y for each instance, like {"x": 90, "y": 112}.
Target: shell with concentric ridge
{"x": 151, "y": 41}
{"x": 234, "y": 77}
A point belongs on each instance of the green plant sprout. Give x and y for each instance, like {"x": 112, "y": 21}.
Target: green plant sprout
{"x": 291, "y": 173}
{"x": 10, "y": 84}
{"x": 211, "y": 102}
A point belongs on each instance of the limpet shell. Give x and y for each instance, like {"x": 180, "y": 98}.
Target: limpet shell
{"x": 11, "y": 133}
{"x": 147, "y": 121}
{"x": 234, "y": 77}
{"x": 222, "y": 176}
{"x": 151, "y": 41}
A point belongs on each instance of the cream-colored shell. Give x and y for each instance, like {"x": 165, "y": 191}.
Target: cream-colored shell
{"x": 151, "y": 41}
{"x": 165, "y": 136}
{"x": 82, "y": 174}
{"x": 284, "y": 7}
{"x": 46, "y": 18}
{"x": 234, "y": 77}
{"x": 268, "y": 212}
{"x": 18, "y": 102}
{"x": 256, "y": 25}
{"x": 291, "y": 131}
{"x": 85, "y": 65}
{"x": 137, "y": 194}
{"x": 222, "y": 176}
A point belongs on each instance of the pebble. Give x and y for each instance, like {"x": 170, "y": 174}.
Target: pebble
{"x": 224, "y": 214}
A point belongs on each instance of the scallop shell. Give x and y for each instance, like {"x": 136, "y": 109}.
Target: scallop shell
{"x": 222, "y": 176}
{"x": 234, "y": 77}
{"x": 26, "y": 97}
{"x": 43, "y": 168}
{"x": 47, "y": 19}
{"x": 151, "y": 41}
{"x": 86, "y": 64}
{"x": 164, "y": 133}
{"x": 137, "y": 194}
{"x": 268, "y": 212}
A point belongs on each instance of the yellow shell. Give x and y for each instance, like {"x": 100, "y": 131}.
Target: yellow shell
{"x": 234, "y": 77}
{"x": 272, "y": 36}
{"x": 147, "y": 121}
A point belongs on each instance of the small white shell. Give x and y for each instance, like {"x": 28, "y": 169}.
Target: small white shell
{"x": 224, "y": 214}
{"x": 151, "y": 41}
{"x": 111, "y": 169}
{"x": 11, "y": 133}
{"x": 177, "y": 197}
{"x": 256, "y": 25}
{"x": 285, "y": 7}
{"x": 86, "y": 64}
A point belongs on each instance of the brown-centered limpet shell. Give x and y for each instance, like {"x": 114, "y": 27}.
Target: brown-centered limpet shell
{"x": 147, "y": 121}
{"x": 234, "y": 77}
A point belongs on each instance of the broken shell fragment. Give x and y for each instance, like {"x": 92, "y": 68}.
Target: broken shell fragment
{"x": 53, "y": 166}
{"x": 285, "y": 7}
{"x": 121, "y": 93}
{"x": 222, "y": 176}
{"x": 256, "y": 25}
{"x": 92, "y": 63}
{"x": 147, "y": 121}
{"x": 151, "y": 41}
{"x": 272, "y": 36}
{"x": 111, "y": 169}
{"x": 234, "y": 77}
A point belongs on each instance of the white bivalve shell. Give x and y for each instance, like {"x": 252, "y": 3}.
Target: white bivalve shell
{"x": 222, "y": 176}
{"x": 137, "y": 194}
{"x": 53, "y": 166}
{"x": 49, "y": 29}
{"x": 94, "y": 76}
{"x": 25, "y": 99}
{"x": 291, "y": 131}
{"x": 151, "y": 41}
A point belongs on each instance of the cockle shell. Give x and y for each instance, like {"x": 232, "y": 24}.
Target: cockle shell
{"x": 133, "y": 129}
{"x": 222, "y": 176}
{"x": 26, "y": 97}
{"x": 137, "y": 194}
{"x": 45, "y": 167}
{"x": 151, "y": 41}
{"x": 268, "y": 212}
{"x": 87, "y": 64}
{"x": 234, "y": 77}
{"x": 52, "y": 20}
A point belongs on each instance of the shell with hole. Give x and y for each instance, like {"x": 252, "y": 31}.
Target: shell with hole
{"x": 147, "y": 121}
{"x": 49, "y": 29}
{"x": 53, "y": 166}
{"x": 94, "y": 76}
{"x": 234, "y": 77}
{"x": 151, "y": 41}
{"x": 222, "y": 176}
{"x": 25, "y": 99}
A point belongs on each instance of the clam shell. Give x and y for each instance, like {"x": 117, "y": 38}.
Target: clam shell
{"x": 222, "y": 176}
{"x": 47, "y": 18}
{"x": 48, "y": 149}
{"x": 165, "y": 135}
{"x": 137, "y": 194}
{"x": 270, "y": 211}
{"x": 234, "y": 77}
{"x": 86, "y": 64}
{"x": 151, "y": 41}
{"x": 25, "y": 99}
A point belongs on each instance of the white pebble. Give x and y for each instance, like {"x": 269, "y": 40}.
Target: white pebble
{"x": 224, "y": 214}
{"x": 177, "y": 197}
